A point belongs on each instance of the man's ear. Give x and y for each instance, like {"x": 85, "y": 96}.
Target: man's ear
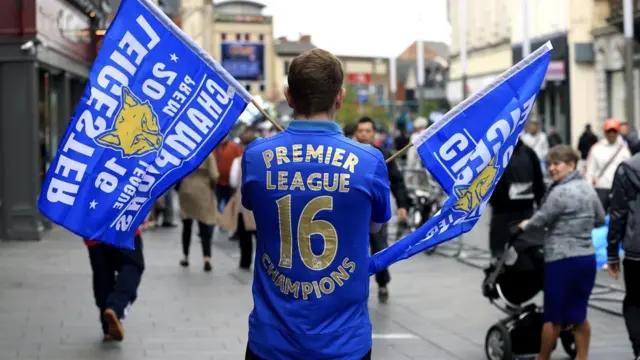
{"x": 340, "y": 98}
{"x": 287, "y": 95}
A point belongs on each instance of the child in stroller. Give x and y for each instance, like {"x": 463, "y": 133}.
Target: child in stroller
{"x": 510, "y": 284}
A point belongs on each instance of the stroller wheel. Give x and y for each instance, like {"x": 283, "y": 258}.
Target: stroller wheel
{"x": 568, "y": 341}
{"x": 497, "y": 344}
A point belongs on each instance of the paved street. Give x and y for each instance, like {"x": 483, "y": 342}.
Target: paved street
{"x": 436, "y": 310}
{"x": 607, "y": 295}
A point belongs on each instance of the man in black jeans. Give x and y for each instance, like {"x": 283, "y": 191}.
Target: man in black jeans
{"x": 519, "y": 189}
{"x": 116, "y": 277}
{"x": 366, "y": 134}
{"x": 624, "y": 227}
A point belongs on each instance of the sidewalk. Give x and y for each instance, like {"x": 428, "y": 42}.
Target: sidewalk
{"x": 436, "y": 310}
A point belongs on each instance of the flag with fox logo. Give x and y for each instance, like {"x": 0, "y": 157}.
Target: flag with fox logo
{"x": 466, "y": 152}
{"x": 154, "y": 107}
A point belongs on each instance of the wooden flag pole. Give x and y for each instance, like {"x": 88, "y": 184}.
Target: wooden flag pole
{"x": 277, "y": 126}
{"x": 399, "y": 152}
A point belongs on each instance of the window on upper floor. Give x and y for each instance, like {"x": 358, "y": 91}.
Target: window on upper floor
{"x": 238, "y": 37}
{"x": 247, "y": 37}
{"x": 223, "y": 36}
{"x": 261, "y": 37}
{"x": 286, "y": 68}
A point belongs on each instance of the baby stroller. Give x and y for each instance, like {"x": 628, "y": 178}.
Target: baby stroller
{"x": 509, "y": 284}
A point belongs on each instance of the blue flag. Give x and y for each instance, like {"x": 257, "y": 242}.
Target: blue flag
{"x": 467, "y": 151}
{"x": 154, "y": 107}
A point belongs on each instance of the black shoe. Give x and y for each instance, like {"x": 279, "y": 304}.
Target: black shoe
{"x": 115, "y": 331}
{"x": 207, "y": 266}
{"x": 184, "y": 263}
{"x": 383, "y": 294}
{"x": 245, "y": 267}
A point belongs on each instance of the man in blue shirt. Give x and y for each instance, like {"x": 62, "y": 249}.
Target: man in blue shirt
{"x": 315, "y": 196}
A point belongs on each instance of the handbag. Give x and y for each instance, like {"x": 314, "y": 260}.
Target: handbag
{"x": 606, "y": 166}
{"x": 228, "y": 221}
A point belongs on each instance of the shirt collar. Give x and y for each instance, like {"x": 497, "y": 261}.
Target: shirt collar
{"x": 314, "y": 126}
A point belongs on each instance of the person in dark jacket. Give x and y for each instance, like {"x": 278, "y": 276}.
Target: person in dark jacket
{"x": 624, "y": 227}
{"x": 630, "y": 136}
{"x": 554, "y": 138}
{"x": 519, "y": 189}
{"x": 586, "y": 141}
{"x": 366, "y": 133}
{"x": 116, "y": 277}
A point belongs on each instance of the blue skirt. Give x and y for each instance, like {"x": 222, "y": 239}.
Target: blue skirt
{"x": 567, "y": 286}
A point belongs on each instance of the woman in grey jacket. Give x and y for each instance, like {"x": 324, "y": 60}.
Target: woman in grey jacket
{"x": 569, "y": 211}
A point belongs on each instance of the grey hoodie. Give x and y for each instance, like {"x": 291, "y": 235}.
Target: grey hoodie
{"x": 569, "y": 211}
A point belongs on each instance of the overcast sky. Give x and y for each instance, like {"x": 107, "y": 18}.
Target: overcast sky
{"x": 357, "y": 27}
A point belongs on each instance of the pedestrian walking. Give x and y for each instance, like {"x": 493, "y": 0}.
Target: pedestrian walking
{"x": 624, "y": 228}
{"x": 519, "y": 190}
{"x": 315, "y": 196}
{"x": 198, "y": 202}
{"x": 116, "y": 276}
{"x": 365, "y": 133}
{"x": 604, "y": 158}
{"x": 236, "y": 218}
{"x": 569, "y": 212}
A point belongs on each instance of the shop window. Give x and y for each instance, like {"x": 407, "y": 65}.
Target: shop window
{"x": 48, "y": 120}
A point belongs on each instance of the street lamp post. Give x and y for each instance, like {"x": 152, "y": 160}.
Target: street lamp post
{"x": 420, "y": 73}
{"x": 392, "y": 86}
{"x": 462, "y": 35}
{"x": 628, "y": 63}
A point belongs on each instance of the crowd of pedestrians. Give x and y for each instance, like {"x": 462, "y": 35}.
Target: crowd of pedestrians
{"x": 549, "y": 189}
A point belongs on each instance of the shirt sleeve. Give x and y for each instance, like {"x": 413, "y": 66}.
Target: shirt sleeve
{"x": 234, "y": 180}
{"x": 548, "y": 212}
{"x": 245, "y": 189}
{"x": 381, "y": 197}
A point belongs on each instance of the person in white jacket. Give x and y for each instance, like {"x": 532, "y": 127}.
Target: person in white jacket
{"x": 604, "y": 158}
{"x": 536, "y": 140}
{"x": 413, "y": 159}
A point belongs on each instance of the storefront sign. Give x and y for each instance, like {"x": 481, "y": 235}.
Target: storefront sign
{"x": 358, "y": 78}
{"x": 243, "y": 61}
{"x": 64, "y": 28}
{"x": 555, "y": 71}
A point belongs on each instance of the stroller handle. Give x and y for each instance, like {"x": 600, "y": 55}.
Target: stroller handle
{"x": 514, "y": 231}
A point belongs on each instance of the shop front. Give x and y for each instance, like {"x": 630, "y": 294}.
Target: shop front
{"x": 46, "y": 49}
{"x": 609, "y": 44}
{"x": 553, "y": 108}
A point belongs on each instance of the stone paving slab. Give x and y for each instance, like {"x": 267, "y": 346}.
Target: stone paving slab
{"x": 436, "y": 310}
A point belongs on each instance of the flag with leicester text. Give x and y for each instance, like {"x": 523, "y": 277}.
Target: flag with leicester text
{"x": 154, "y": 107}
{"x": 467, "y": 151}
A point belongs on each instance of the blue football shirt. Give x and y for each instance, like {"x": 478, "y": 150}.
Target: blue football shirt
{"x": 313, "y": 193}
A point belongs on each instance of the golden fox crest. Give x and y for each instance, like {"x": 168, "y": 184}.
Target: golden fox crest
{"x": 135, "y": 131}
{"x": 470, "y": 196}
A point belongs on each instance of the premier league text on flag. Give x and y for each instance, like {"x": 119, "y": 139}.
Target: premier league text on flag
{"x": 154, "y": 107}
{"x": 468, "y": 150}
